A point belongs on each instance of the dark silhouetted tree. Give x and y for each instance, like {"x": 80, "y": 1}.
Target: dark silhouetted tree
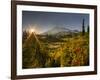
{"x": 88, "y": 29}
{"x": 83, "y": 27}
{"x": 25, "y": 35}
{"x": 33, "y": 54}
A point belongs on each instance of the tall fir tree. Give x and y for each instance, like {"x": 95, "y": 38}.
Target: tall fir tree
{"x": 88, "y": 28}
{"x": 83, "y": 27}
{"x": 33, "y": 55}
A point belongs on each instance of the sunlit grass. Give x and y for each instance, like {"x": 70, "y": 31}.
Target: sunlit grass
{"x": 73, "y": 51}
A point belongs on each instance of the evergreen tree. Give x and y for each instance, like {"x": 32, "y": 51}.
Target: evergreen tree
{"x": 88, "y": 29}
{"x": 33, "y": 55}
{"x": 83, "y": 27}
{"x": 25, "y": 35}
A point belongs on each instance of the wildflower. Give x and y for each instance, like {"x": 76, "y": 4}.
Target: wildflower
{"x": 77, "y": 50}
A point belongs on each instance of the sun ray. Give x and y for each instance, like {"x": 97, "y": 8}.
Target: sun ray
{"x": 32, "y": 30}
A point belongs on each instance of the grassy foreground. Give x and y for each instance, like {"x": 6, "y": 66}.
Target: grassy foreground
{"x": 47, "y": 51}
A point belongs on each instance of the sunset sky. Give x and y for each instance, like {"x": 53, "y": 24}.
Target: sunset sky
{"x": 43, "y": 21}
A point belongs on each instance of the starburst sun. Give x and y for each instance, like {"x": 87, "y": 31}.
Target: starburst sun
{"x": 32, "y": 30}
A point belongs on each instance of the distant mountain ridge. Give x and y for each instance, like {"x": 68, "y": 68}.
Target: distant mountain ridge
{"x": 59, "y": 30}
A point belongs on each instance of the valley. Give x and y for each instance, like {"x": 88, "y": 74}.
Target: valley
{"x": 56, "y": 50}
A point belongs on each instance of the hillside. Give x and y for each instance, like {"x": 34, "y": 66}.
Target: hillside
{"x": 42, "y": 51}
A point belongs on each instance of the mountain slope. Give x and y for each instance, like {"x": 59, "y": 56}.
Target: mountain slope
{"x": 59, "y": 30}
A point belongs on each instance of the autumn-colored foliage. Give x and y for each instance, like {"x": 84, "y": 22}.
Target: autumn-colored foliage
{"x": 41, "y": 52}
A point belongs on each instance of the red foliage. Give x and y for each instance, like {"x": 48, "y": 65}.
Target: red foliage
{"x": 77, "y": 50}
{"x": 76, "y": 62}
